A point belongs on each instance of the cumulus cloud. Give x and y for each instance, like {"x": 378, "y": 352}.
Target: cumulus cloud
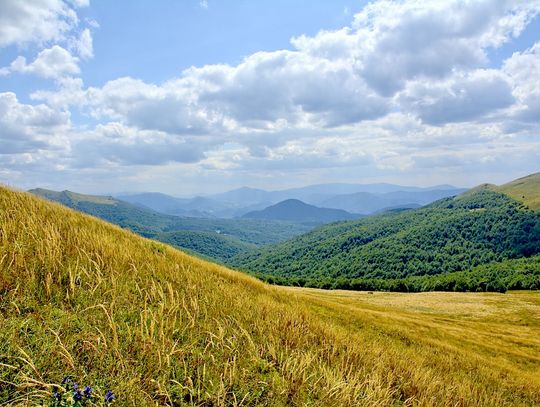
{"x": 41, "y": 23}
{"x": 168, "y": 108}
{"x": 70, "y": 92}
{"x": 424, "y": 57}
{"x": 28, "y": 128}
{"x": 35, "y": 21}
{"x": 52, "y": 62}
{"x": 524, "y": 70}
{"x": 84, "y": 44}
{"x": 114, "y": 143}
{"x": 406, "y": 40}
{"x": 461, "y": 98}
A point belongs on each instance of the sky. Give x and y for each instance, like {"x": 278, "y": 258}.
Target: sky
{"x": 192, "y": 97}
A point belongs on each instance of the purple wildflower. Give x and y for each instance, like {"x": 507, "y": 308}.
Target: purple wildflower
{"x": 77, "y": 395}
{"x": 109, "y": 397}
{"x": 67, "y": 379}
{"x": 88, "y": 392}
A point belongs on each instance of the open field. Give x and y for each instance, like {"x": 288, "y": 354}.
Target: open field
{"x": 500, "y": 330}
{"x": 83, "y": 298}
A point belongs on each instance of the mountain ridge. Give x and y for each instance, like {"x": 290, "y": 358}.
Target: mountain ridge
{"x": 237, "y": 202}
{"x": 294, "y": 210}
{"x": 232, "y": 235}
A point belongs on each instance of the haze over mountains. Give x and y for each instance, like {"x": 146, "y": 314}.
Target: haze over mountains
{"x": 294, "y": 210}
{"x": 355, "y": 198}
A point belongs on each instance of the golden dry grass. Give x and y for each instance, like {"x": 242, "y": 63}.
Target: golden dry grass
{"x": 526, "y": 190}
{"x": 81, "y": 297}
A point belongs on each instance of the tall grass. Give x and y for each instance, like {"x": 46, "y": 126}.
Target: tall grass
{"x": 83, "y": 298}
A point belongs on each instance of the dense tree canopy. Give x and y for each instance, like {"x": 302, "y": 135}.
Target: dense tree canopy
{"x": 451, "y": 235}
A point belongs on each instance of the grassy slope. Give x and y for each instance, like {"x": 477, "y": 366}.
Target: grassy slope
{"x": 526, "y": 190}
{"x": 81, "y": 297}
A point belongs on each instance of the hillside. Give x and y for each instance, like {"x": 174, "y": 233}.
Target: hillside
{"x": 140, "y": 220}
{"x": 148, "y": 223}
{"x": 210, "y": 244}
{"x": 526, "y": 190}
{"x": 116, "y": 311}
{"x": 73, "y": 198}
{"x": 454, "y": 234}
{"x": 293, "y": 210}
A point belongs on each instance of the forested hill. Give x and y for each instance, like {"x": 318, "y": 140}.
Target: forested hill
{"x": 294, "y": 210}
{"x": 481, "y": 226}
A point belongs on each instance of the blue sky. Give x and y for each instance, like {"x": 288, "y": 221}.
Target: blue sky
{"x": 190, "y": 97}
{"x": 180, "y": 34}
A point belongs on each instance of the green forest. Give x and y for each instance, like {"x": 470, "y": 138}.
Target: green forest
{"x": 209, "y": 244}
{"x": 467, "y": 243}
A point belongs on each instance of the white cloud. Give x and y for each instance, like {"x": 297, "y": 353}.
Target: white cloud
{"x": 84, "y": 45}
{"x": 286, "y": 86}
{"x": 28, "y": 128}
{"x": 116, "y": 144}
{"x": 34, "y": 21}
{"x": 70, "y": 92}
{"x": 79, "y": 3}
{"x": 52, "y": 62}
{"x": 407, "y": 40}
{"x": 429, "y": 53}
{"x": 42, "y": 23}
{"x": 524, "y": 70}
{"x": 463, "y": 97}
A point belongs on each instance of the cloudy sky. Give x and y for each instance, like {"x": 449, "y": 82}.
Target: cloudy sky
{"x": 189, "y": 96}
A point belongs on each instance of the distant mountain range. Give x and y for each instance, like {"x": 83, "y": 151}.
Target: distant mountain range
{"x": 294, "y": 210}
{"x": 366, "y": 202}
{"x": 354, "y": 198}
